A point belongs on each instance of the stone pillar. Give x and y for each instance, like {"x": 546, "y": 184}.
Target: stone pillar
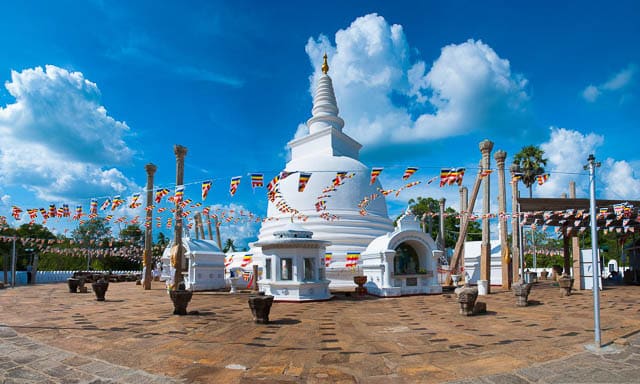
{"x": 515, "y": 224}
{"x": 485, "y": 249}
{"x": 180, "y": 153}
{"x": 148, "y": 232}
{"x": 442, "y": 237}
{"x": 464, "y": 206}
{"x": 209, "y": 228}
{"x": 575, "y": 248}
{"x": 500, "y": 157}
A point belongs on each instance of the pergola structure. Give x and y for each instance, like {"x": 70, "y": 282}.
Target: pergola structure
{"x": 572, "y": 216}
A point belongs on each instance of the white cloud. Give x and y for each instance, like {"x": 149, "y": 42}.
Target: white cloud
{"x": 617, "y": 82}
{"x": 567, "y": 153}
{"x": 58, "y": 140}
{"x": 385, "y": 97}
{"x": 618, "y": 180}
{"x": 242, "y": 232}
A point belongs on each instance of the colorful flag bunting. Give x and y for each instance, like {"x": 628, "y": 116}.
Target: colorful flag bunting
{"x": 339, "y": 177}
{"x": 303, "y": 180}
{"x": 409, "y": 172}
{"x": 246, "y": 260}
{"x": 179, "y": 194}
{"x": 134, "y": 201}
{"x": 206, "y": 187}
{"x": 257, "y": 180}
{"x": 375, "y": 172}
{"x": 233, "y": 187}
{"x": 352, "y": 259}
{"x": 160, "y": 193}
{"x": 542, "y": 178}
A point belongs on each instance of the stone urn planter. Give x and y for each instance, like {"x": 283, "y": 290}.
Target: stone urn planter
{"x": 565, "y": 282}
{"x": 260, "y": 307}
{"x": 544, "y": 274}
{"x": 521, "y": 291}
{"x": 73, "y": 284}
{"x": 100, "y": 289}
{"x": 467, "y": 299}
{"x": 180, "y": 298}
{"x": 233, "y": 283}
{"x": 455, "y": 279}
{"x": 360, "y": 281}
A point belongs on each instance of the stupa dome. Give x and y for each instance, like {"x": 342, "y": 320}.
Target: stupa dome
{"x": 322, "y": 153}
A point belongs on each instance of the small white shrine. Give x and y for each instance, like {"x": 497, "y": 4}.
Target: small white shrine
{"x": 402, "y": 262}
{"x": 292, "y": 266}
{"x": 203, "y": 265}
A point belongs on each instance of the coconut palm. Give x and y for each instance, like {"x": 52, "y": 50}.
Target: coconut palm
{"x": 531, "y": 162}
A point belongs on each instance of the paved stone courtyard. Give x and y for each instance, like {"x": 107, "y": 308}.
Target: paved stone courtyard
{"x": 417, "y": 339}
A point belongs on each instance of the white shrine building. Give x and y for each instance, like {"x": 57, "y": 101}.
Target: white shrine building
{"x": 323, "y": 152}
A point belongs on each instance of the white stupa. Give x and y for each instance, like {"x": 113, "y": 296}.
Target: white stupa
{"x": 325, "y": 151}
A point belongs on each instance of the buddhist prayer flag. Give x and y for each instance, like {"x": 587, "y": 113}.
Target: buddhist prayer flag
{"x": 303, "y": 180}
{"x": 448, "y": 176}
{"x": 65, "y": 210}
{"x": 375, "y": 172}
{"x": 246, "y": 260}
{"x": 516, "y": 176}
{"x": 33, "y": 213}
{"x": 257, "y": 180}
{"x": 409, "y": 172}
{"x": 93, "y": 207}
{"x": 160, "y": 193}
{"x": 206, "y": 187}
{"x": 352, "y": 259}
{"x": 179, "y": 194}
{"x": 53, "y": 212}
{"x": 16, "y": 212}
{"x": 235, "y": 181}
{"x": 44, "y": 213}
{"x": 134, "y": 201}
{"x": 117, "y": 201}
{"x": 542, "y": 178}
{"x": 485, "y": 173}
{"x": 339, "y": 177}
{"x": 327, "y": 259}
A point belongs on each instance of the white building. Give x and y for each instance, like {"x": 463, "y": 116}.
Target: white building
{"x": 203, "y": 263}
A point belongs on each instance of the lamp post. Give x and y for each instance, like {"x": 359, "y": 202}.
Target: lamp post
{"x": 591, "y": 166}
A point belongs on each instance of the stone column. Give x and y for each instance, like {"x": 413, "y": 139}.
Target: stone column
{"x": 442, "y": 237}
{"x": 485, "y": 249}
{"x": 515, "y": 224}
{"x": 180, "y": 153}
{"x": 464, "y": 206}
{"x": 500, "y": 157}
{"x": 575, "y": 248}
{"x": 148, "y": 233}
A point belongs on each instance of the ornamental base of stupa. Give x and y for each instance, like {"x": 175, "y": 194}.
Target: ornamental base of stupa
{"x": 296, "y": 291}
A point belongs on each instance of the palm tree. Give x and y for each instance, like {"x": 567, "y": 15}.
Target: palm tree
{"x": 531, "y": 162}
{"x": 229, "y": 245}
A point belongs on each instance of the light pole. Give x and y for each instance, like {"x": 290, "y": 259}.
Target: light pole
{"x": 591, "y": 166}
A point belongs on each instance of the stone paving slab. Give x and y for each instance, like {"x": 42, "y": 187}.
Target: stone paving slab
{"x": 133, "y": 337}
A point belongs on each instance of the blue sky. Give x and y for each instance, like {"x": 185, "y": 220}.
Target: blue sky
{"x": 92, "y": 91}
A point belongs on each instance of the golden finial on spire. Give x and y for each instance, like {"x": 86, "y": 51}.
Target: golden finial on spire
{"x": 325, "y": 65}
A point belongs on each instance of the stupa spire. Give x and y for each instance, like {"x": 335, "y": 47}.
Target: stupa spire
{"x": 324, "y": 113}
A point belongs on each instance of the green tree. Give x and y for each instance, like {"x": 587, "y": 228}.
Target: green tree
{"x": 95, "y": 229}
{"x": 229, "y": 245}
{"x": 531, "y": 162}
{"x": 131, "y": 234}
{"x": 424, "y": 208}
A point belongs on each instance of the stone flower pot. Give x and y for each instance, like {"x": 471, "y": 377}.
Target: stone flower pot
{"x": 360, "y": 281}
{"x": 260, "y": 307}
{"x": 521, "y": 291}
{"x": 565, "y": 282}
{"x": 180, "y": 299}
{"x": 100, "y": 289}
{"x": 73, "y": 284}
{"x": 467, "y": 298}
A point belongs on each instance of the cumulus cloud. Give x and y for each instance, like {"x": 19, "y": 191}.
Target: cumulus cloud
{"x": 567, "y": 151}
{"x": 385, "y": 96}
{"x": 58, "y": 140}
{"x": 618, "y": 82}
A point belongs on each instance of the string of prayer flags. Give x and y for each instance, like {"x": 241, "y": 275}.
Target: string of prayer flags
{"x": 449, "y": 176}
{"x": 78, "y": 214}
{"x": 169, "y": 222}
{"x": 93, "y": 207}
{"x": 44, "y": 213}
{"x": 65, "y": 210}
{"x": 16, "y": 212}
{"x": 53, "y": 212}
{"x": 235, "y": 181}
{"x": 134, "y": 201}
{"x": 206, "y": 187}
{"x": 409, "y": 172}
{"x": 33, "y": 213}
{"x": 375, "y": 172}
{"x": 303, "y": 180}
{"x": 542, "y": 178}
{"x": 257, "y": 180}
